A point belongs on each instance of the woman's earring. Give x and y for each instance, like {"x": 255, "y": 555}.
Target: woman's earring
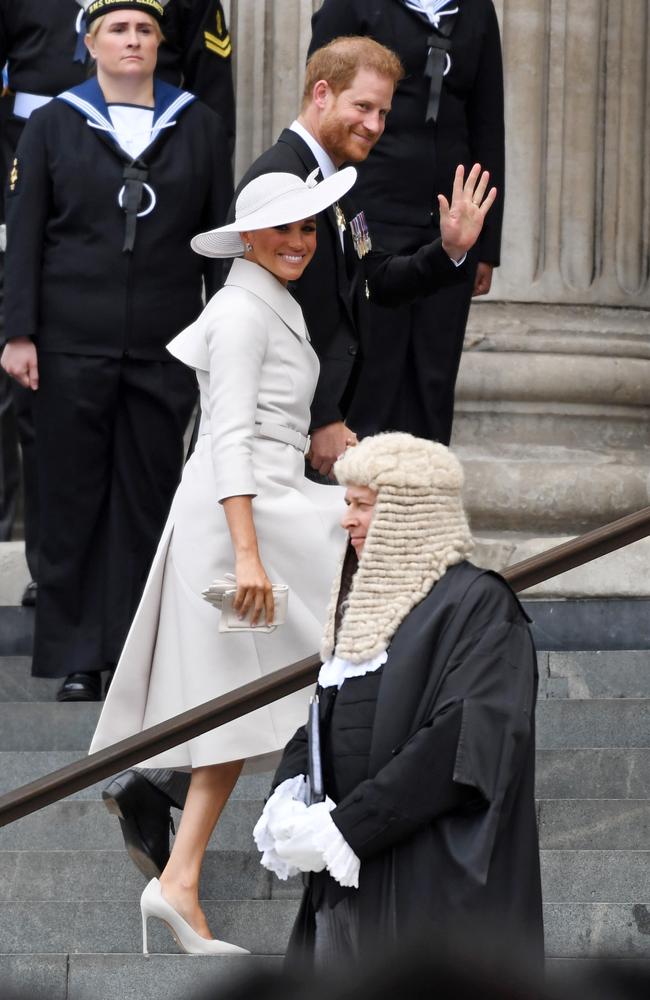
{"x": 248, "y": 247}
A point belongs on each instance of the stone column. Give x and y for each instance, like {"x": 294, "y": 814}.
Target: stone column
{"x": 553, "y": 401}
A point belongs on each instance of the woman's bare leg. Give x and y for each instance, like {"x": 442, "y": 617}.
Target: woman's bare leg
{"x": 209, "y": 791}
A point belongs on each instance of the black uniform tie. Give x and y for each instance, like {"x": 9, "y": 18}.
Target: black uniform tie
{"x": 134, "y": 180}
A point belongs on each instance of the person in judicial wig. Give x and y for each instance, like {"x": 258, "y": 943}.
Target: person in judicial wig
{"x": 110, "y": 182}
{"x": 245, "y": 508}
{"x": 410, "y": 795}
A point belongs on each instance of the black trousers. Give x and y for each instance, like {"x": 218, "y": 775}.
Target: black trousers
{"x": 412, "y": 353}
{"x": 109, "y": 444}
{"x": 9, "y": 459}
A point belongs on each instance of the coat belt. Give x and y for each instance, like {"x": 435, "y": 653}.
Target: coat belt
{"x": 278, "y": 432}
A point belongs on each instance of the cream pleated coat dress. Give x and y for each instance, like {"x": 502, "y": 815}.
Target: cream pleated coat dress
{"x": 254, "y": 364}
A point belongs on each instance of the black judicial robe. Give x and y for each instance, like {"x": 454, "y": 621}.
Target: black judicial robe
{"x": 408, "y": 381}
{"x": 444, "y": 824}
{"x": 335, "y": 288}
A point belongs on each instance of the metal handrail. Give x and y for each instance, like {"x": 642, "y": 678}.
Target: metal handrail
{"x": 72, "y": 778}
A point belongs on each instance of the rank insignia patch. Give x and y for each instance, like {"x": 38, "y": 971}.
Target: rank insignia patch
{"x": 13, "y": 176}
{"x": 218, "y": 43}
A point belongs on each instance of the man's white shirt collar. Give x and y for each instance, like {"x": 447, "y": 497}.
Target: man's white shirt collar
{"x": 327, "y": 168}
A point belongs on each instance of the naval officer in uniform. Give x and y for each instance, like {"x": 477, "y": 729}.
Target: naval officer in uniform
{"x": 110, "y": 182}
{"x": 42, "y": 45}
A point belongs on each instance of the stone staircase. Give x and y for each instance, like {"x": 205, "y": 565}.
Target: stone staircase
{"x": 70, "y": 922}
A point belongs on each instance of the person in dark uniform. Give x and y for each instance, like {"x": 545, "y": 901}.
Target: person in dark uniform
{"x": 423, "y": 823}
{"x": 109, "y": 183}
{"x": 448, "y": 109}
{"x": 348, "y": 91}
{"x": 42, "y": 44}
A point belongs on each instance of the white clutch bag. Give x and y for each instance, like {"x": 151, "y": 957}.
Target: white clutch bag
{"x": 221, "y": 594}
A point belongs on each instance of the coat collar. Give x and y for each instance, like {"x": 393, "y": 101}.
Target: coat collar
{"x": 88, "y": 99}
{"x": 191, "y": 347}
{"x": 259, "y": 281}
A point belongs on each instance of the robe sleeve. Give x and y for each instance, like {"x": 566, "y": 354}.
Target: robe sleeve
{"x": 468, "y": 752}
{"x": 295, "y": 759}
{"x": 237, "y": 339}
{"x": 28, "y": 203}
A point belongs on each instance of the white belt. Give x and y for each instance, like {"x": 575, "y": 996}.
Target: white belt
{"x": 286, "y": 435}
{"x": 25, "y": 104}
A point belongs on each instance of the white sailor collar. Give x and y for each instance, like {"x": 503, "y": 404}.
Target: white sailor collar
{"x": 88, "y": 99}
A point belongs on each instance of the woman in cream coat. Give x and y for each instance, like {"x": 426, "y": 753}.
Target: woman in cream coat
{"x": 243, "y": 506}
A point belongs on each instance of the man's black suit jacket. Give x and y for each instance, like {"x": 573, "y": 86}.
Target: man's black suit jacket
{"x": 334, "y": 290}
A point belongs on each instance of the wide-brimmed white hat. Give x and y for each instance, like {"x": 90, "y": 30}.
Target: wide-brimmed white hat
{"x": 273, "y": 200}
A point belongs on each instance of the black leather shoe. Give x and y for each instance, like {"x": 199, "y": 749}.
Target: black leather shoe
{"x": 143, "y": 812}
{"x": 28, "y": 600}
{"x": 81, "y": 687}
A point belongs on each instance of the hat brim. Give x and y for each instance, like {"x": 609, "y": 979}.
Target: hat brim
{"x": 291, "y": 207}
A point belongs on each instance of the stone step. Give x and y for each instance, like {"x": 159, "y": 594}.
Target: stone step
{"x": 260, "y": 925}
{"x": 606, "y": 722}
{"x": 109, "y": 876}
{"x": 180, "y": 977}
{"x": 597, "y": 930}
{"x": 19, "y": 767}
{"x": 16, "y": 629}
{"x": 263, "y": 926}
{"x": 17, "y": 683}
{"x": 84, "y": 825}
{"x": 604, "y": 674}
{"x": 584, "y": 824}
{"x": 594, "y": 824}
{"x": 127, "y": 977}
{"x": 609, "y": 773}
{"x": 595, "y": 876}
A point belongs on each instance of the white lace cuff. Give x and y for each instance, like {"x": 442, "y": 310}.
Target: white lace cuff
{"x": 340, "y": 860}
{"x": 277, "y": 817}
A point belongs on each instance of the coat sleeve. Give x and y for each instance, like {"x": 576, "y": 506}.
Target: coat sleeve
{"x": 394, "y": 279}
{"x": 485, "y": 120}
{"x": 197, "y": 38}
{"x": 237, "y": 340}
{"x": 468, "y": 752}
{"x": 28, "y": 202}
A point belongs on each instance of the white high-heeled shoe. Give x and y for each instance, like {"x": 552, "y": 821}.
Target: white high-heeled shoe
{"x": 153, "y": 904}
